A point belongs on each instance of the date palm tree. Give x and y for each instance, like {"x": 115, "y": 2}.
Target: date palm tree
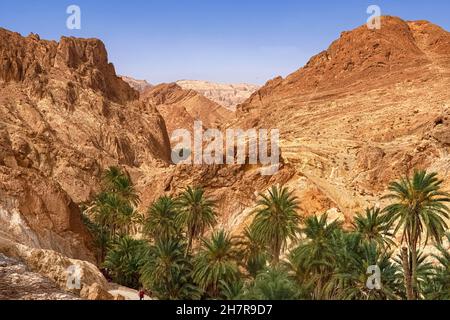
{"x": 273, "y": 284}
{"x": 115, "y": 215}
{"x": 161, "y": 220}
{"x": 167, "y": 272}
{"x": 124, "y": 261}
{"x": 356, "y": 257}
{"x": 373, "y": 227}
{"x": 276, "y": 221}
{"x": 312, "y": 262}
{"x": 418, "y": 208}
{"x": 216, "y": 262}
{"x": 106, "y": 209}
{"x": 438, "y": 286}
{"x": 231, "y": 290}
{"x": 115, "y": 181}
{"x": 425, "y": 272}
{"x": 196, "y": 213}
{"x": 254, "y": 253}
{"x": 127, "y": 219}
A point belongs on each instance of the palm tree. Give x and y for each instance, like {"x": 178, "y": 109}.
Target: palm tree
{"x": 425, "y": 272}
{"x": 354, "y": 257}
{"x": 231, "y": 290}
{"x": 115, "y": 181}
{"x": 167, "y": 271}
{"x": 124, "y": 261}
{"x": 196, "y": 213}
{"x": 216, "y": 262}
{"x": 419, "y": 207}
{"x": 276, "y": 221}
{"x": 373, "y": 227}
{"x": 101, "y": 237}
{"x": 110, "y": 176}
{"x": 312, "y": 262}
{"x": 106, "y": 211}
{"x": 254, "y": 253}
{"x": 112, "y": 213}
{"x": 161, "y": 220}
{"x": 438, "y": 285}
{"x": 273, "y": 284}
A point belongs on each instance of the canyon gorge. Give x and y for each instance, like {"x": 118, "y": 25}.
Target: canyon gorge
{"x": 372, "y": 107}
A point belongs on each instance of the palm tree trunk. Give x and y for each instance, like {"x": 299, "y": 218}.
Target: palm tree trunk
{"x": 407, "y": 274}
{"x": 188, "y": 247}
{"x": 414, "y": 271}
{"x": 276, "y": 253}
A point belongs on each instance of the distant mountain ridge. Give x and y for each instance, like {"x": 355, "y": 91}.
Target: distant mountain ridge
{"x": 138, "y": 85}
{"x": 227, "y": 95}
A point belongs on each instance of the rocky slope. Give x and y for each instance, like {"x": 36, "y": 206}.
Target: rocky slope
{"x": 227, "y": 95}
{"x": 373, "y": 106}
{"x": 138, "y": 85}
{"x": 65, "y": 117}
{"x": 180, "y": 108}
{"x": 17, "y": 282}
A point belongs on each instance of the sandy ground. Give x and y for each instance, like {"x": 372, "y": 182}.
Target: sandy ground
{"x": 128, "y": 293}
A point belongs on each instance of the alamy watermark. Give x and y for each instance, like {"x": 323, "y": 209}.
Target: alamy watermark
{"x": 237, "y": 146}
{"x": 374, "y": 280}
{"x": 73, "y": 277}
{"x": 374, "y": 21}
{"x": 73, "y": 22}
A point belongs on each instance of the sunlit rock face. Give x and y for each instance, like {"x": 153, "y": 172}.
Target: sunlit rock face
{"x": 372, "y": 107}
{"x": 65, "y": 117}
{"x": 227, "y": 95}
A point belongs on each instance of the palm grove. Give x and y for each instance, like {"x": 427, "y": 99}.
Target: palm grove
{"x": 281, "y": 255}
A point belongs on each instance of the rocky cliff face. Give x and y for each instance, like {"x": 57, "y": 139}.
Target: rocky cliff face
{"x": 227, "y": 95}
{"x": 138, "y": 85}
{"x": 180, "y": 108}
{"x": 65, "y": 116}
{"x": 371, "y": 107}
{"x": 17, "y": 282}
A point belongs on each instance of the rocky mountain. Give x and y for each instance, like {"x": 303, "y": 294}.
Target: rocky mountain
{"x": 138, "y": 85}
{"x": 227, "y": 95}
{"x": 65, "y": 116}
{"x": 373, "y": 106}
{"x": 180, "y": 107}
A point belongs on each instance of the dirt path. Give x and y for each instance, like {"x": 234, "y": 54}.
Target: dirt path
{"x": 127, "y": 293}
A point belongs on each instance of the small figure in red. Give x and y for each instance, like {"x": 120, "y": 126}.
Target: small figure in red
{"x": 141, "y": 294}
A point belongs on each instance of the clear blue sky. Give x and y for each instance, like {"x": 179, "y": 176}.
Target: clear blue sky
{"x": 217, "y": 40}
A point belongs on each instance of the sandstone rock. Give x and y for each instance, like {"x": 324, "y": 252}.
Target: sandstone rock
{"x": 362, "y": 113}
{"x": 180, "y": 108}
{"x": 440, "y": 129}
{"x": 226, "y": 95}
{"x": 358, "y": 115}
{"x": 96, "y": 292}
{"x": 55, "y": 266}
{"x": 66, "y": 116}
{"x": 138, "y": 85}
{"x": 17, "y": 282}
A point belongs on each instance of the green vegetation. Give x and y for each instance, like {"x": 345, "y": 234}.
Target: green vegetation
{"x": 175, "y": 253}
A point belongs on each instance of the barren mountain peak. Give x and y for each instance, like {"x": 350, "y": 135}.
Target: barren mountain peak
{"x": 362, "y": 112}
